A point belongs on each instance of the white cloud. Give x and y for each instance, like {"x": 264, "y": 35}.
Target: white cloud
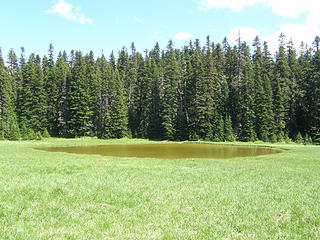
{"x": 246, "y": 34}
{"x": 234, "y": 5}
{"x": 283, "y": 8}
{"x": 69, "y": 12}
{"x": 137, "y": 20}
{"x": 296, "y": 32}
{"x": 181, "y": 36}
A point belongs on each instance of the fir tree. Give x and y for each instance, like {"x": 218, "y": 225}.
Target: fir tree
{"x": 80, "y": 114}
{"x": 228, "y": 133}
{"x": 169, "y": 97}
{"x": 154, "y": 131}
{"x": 248, "y": 117}
{"x": 8, "y": 122}
{"x": 262, "y": 99}
{"x": 314, "y": 94}
{"x": 32, "y": 100}
{"x": 116, "y": 120}
{"x": 63, "y": 77}
{"x": 281, "y": 90}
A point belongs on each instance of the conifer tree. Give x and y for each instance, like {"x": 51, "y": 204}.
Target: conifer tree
{"x": 220, "y": 95}
{"x": 8, "y": 122}
{"x": 92, "y": 80}
{"x": 116, "y": 119}
{"x": 154, "y": 131}
{"x": 228, "y": 132}
{"x": 234, "y": 74}
{"x": 145, "y": 99}
{"x": 201, "y": 121}
{"x": 191, "y": 92}
{"x": 103, "y": 71}
{"x": 80, "y": 114}
{"x": 281, "y": 90}
{"x": 31, "y": 98}
{"x": 303, "y": 82}
{"x": 263, "y": 97}
{"x": 314, "y": 94}
{"x": 267, "y": 76}
{"x": 182, "y": 118}
{"x": 169, "y": 97}
{"x": 247, "y": 104}
{"x": 13, "y": 68}
{"x": 52, "y": 91}
{"x": 63, "y": 76}
{"x": 207, "y": 94}
{"x": 293, "y": 79}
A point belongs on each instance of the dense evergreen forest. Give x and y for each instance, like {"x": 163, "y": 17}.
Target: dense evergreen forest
{"x": 215, "y": 92}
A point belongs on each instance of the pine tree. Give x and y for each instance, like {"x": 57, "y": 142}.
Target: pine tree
{"x": 281, "y": 90}
{"x": 228, "y": 133}
{"x": 207, "y": 92}
{"x": 303, "y": 80}
{"x": 80, "y": 114}
{"x": 247, "y": 104}
{"x": 63, "y": 76}
{"x": 293, "y": 79}
{"x": 103, "y": 72}
{"x": 263, "y": 95}
{"x": 8, "y": 122}
{"x": 191, "y": 93}
{"x": 200, "y": 122}
{"x": 92, "y": 81}
{"x": 220, "y": 95}
{"x": 52, "y": 91}
{"x": 314, "y": 94}
{"x": 13, "y": 68}
{"x": 267, "y": 75}
{"x": 32, "y": 99}
{"x": 234, "y": 75}
{"x": 116, "y": 120}
{"x": 169, "y": 97}
{"x": 112, "y": 119}
{"x": 154, "y": 130}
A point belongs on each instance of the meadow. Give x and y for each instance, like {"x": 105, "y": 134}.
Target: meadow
{"x": 46, "y": 195}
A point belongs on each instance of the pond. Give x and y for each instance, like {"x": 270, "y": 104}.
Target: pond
{"x": 167, "y": 150}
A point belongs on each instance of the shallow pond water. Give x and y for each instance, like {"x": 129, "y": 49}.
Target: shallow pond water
{"x": 167, "y": 150}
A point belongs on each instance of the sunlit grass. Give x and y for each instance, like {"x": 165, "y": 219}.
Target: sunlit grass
{"x": 67, "y": 196}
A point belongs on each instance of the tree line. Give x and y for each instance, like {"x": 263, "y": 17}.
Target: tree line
{"x": 215, "y": 92}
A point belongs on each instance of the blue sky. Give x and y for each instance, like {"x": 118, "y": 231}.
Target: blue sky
{"x": 109, "y": 25}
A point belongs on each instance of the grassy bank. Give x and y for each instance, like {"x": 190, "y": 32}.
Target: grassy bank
{"x": 66, "y": 196}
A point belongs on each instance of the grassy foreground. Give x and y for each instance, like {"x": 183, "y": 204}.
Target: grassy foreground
{"x": 66, "y": 196}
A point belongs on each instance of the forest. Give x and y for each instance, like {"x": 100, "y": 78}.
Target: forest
{"x": 215, "y": 92}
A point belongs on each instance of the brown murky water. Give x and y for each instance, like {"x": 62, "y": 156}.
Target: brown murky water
{"x": 167, "y": 151}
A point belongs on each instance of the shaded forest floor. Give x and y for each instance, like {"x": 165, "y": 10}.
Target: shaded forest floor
{"x": 66, "y": 196}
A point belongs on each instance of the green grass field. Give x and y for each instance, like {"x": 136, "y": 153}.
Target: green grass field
{"x": 66, "y": 196}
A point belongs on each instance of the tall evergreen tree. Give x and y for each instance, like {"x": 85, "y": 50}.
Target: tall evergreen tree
{"x": 80, "y": 114}
{"x": 116, "y": 120}
{"x": 263, "y": 94}
{"x": 63, "y": 76}
{"x": 247, "y": 104}
{"x": 314, "y": 94}
{"x": 9, "y": 128}
{"x": 92, "y": 81}
{"x": 294, "y": 73}
{"x": 32, "y": 98}
{"x": 281, "y": 90}
{"x": 169, "y": 97}
{"x": 154, "y": 131}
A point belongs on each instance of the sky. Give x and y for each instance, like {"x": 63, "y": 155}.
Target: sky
{"x": 105, "y": 25}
